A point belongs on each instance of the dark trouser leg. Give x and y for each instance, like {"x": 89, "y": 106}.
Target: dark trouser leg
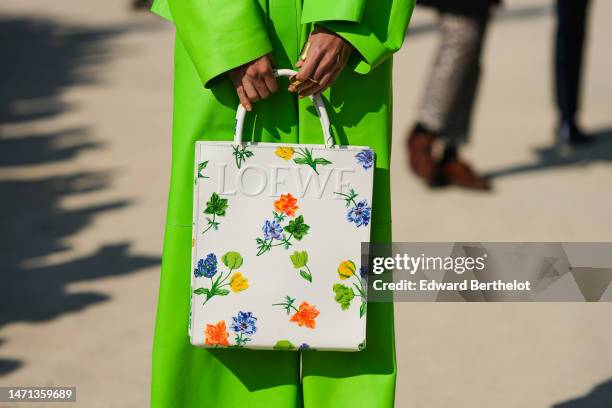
{"x": 571, "y": 24}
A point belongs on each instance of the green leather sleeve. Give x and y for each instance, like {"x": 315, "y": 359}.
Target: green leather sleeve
{"x": 220, "y": 35}
{"x": 161, "y": 8}
{"x": 376, "y": 28}
{"x": 325, "y": 10}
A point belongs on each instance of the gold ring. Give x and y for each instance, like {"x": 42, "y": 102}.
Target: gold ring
{"x": 305, "y": 52}
{"x": 314, "y": 81}
{"x": 294, "y": 81}
{"x": 300, "y": 87}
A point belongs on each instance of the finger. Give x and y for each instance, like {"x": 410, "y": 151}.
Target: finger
{"x": 303, "y": 53}
{"x": 266, "y": 75}
{"x": 307, "y": 89}
{"x": 302, "y": 89}
{"x": 235, "y": 80}
{"x": 270, "y": 82}
{"x": 327, "y": 65}
{"x": 262, "y": 89}
{"x": 324, "y": 86}
{"x": 309, "y": 92}
{"x": 325, "y": 82}
{"x": 299, "y": 85}
{"x": 310, "y": 64}
{"x": 244, "y": 100}
{"x": 296, "y": 85}
{"x": 292, "y": 86}
{"x": 250, "y": 90}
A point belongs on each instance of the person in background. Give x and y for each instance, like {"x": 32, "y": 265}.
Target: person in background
{"x": 569, "y": 50}
{"x": 443, "y": 118}
{"x": 141, "y": 4}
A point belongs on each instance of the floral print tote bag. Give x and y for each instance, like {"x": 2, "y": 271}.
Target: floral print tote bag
{"x": 277, "y": 233}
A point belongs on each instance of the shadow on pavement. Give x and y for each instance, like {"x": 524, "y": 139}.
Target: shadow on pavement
{"x": 598, "y": 397}
{"x": 600, "y": 149}
{"x": 40, "y": 61}
{"x": 502, "y": 15}
{"x": 8, "y": 364}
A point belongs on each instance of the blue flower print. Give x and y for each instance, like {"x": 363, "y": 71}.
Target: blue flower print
{"x": 207, "y": 267}
{"x": 272, "y": 229}
{"x": 244, "y": 322}
{"x": 360, "y": 214}
{"x": 363, "y": 272}
{"x": 365, "y": 158}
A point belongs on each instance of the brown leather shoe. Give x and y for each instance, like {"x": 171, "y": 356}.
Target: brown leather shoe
{"x": 420, "y": 154}
{"x": 457, "y": 172}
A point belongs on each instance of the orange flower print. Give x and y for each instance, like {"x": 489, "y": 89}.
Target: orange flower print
{"x": 286, "y": 204}
{"x": 216, "y": 334}
{"x": 305, "y": 315}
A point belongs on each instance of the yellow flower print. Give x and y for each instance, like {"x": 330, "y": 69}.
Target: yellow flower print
{"x": 238, "y": 283}
{"x": 346, "y": 269}
{"x": 284, "y": 152}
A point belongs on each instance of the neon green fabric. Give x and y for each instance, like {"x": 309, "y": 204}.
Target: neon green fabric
{"x": 213, "y": 37}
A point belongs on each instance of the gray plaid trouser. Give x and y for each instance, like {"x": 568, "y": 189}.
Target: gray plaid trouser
{"x": 447, "y": 104}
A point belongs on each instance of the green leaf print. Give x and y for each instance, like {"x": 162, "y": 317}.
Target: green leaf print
{"x": 232, "y": 260}
{"x": 322, "y": 161}
{"x": 306, "y": 275}
{"x": 287, "y": 304}
{"x": 221, "y": 292}
{"x": 344, "y": 295}
{"x": 305, "y": 157}
{"x": 297, "y": 228}
{"x": 241, "y": 153}
{"x": 300, "y": 160}
{"x": 299, "y": 259}
{"x": 284, "y": 345}
{"x": 216, "y": 205}
{"x": 202, "y": 167}
{"x": 275, "y": 234}
{"x": 362, "y": 309}
{"x": 222, "y": 282}
{"x": 349, "y": 197}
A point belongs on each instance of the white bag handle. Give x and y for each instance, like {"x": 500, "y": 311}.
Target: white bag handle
{"x": 318, "y": 103}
